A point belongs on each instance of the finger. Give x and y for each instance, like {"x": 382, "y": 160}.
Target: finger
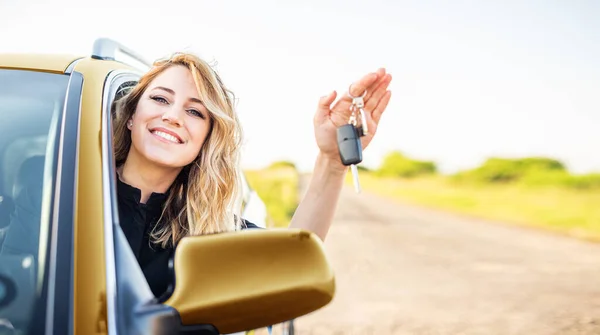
{"x": 324, "y": 107}
{"x": 359, "y": 87}
{"x": 376, "y": 84}
{"x": 381, "y": 106}
{"x": 378, "y": 93}
{"x": 365, "y": 83}
{"x": 342, "y": 104}
{"x": 341, "y": 112}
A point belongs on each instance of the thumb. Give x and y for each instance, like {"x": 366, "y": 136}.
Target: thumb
{"x": 324, "y": 107}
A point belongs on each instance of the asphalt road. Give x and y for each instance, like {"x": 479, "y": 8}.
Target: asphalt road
{"x": 406, "y": 270}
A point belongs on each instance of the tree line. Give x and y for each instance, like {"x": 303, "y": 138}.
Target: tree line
{"x": 534, "y": 171}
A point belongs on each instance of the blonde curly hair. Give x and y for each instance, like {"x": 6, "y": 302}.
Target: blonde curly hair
{"x": 202, "y": 199}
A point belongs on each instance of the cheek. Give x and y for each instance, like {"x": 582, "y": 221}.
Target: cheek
{"x": 198, "y": 134}
{"x": 144, "y": 113}
{"x": 137, "y": 132}
{"x": 146, "y": 110}
{"x": 140, "y": 121}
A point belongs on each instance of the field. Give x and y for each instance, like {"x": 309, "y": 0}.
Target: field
{"x": 564, "y": 210}
{"x": 574, "y": 212}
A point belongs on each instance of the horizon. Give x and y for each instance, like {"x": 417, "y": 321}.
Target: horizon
{"x": 377, "y": 166}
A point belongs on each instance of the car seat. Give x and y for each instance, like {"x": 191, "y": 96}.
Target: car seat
{"x": 7, "y": 206}
{"x": 29, "y": 175}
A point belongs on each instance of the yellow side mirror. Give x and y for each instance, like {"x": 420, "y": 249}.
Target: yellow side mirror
{"x": 250, "y": 279}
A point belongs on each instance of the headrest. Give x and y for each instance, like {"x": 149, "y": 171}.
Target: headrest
{"x": 6, "y": 208}
{"x": 31, "y": 173}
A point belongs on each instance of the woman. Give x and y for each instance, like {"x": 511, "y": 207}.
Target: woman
{"x": 177, "y": 140}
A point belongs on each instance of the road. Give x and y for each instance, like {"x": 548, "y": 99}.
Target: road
{"x": 407, "y": 270}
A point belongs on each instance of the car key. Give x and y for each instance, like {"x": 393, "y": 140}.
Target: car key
{"x": 349, "y": 144}
{"x": 350, "y": 150}
{"x": 348, "y": 137}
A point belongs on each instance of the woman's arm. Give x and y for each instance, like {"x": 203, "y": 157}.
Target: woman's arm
{"x": 317, "y": 208}
{"x": 315, "y": 211}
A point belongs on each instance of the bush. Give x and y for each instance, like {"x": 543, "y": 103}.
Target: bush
{"x": 564, "y": 179}
{"x": 282, "y": 164}
{"x": 395, "y": 164}
{"x": 547, "y": 178}
{"x": 279, "y": 191}
{"x": 502, "y": 170}
{"x": 541, "y": 163}
{"x": 587, "y": 181}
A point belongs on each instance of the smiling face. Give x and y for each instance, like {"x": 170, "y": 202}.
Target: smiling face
{"x": 172, "y": 128}
{"x": 170, "y": 123}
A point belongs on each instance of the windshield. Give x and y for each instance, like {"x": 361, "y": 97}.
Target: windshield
{"x": 31, "y": 105}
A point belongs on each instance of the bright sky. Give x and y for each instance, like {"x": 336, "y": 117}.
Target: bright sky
{"x": 472, "y": 79}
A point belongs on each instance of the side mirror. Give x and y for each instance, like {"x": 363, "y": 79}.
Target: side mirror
{"x": 250, "y": 279}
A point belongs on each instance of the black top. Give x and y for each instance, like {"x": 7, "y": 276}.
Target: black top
{"x": 137, "y": 221}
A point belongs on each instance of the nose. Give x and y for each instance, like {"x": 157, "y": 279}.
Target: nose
{"x": 172, "y": 116}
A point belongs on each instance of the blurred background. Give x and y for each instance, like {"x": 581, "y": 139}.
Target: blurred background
{"x": 479, "y": 212}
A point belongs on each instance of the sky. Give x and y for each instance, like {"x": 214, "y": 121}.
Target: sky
{"x": 471, "y": 79}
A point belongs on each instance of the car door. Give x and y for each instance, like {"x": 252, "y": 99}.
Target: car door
{"x": 38, "y": 159}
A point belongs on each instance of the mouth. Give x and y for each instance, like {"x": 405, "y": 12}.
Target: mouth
{"x": 166, "y": 135}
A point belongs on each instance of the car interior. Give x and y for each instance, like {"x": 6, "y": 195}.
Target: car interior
{"x": 28, "y": 119}
{"x": 30, "y": 104}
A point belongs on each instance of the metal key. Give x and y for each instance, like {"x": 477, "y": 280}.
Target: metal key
{"x": 358, "y": 104}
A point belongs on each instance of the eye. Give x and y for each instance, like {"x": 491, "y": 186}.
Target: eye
{"x": 159, "y": 99}
{"x": 196, "y": 113}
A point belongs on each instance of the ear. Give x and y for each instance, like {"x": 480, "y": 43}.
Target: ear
{"x": 129, "y": 124}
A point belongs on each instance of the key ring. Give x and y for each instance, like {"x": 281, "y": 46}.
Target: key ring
{"x": 357, "y": 107}
{"x": 353, "y": 97}
{"x": 357, "y": 102}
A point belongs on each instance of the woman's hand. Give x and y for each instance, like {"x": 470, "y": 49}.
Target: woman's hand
{"x": 317, "y": 207}
{"x": 328, "y": 118}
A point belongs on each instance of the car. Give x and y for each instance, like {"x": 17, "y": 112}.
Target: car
{"x": 57, "y": 187}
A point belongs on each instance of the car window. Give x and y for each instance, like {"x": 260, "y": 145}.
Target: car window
{"x": 31, "y": 106}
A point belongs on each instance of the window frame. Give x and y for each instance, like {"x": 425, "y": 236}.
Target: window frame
{"x": 59, "y": 319}
{"x": 111, "y": 215}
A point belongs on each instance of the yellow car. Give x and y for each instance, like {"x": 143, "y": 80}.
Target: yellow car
{"x": 57, "y": 189}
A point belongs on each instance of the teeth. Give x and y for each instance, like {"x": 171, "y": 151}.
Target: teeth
{"x": 166, "y": 136}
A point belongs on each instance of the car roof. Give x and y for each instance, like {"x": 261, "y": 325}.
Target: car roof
{"x": 57, "y": 63}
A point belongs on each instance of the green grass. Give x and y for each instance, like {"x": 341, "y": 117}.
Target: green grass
{"x": 278, "y": 188}
{"x": 561, "y": 209}
{"x": 570, "y": 211}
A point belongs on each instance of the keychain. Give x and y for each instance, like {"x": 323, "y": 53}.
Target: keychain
{"x": 348, "y": 137}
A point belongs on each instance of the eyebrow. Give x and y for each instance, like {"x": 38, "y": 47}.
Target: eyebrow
{"x": 173, "y": 92}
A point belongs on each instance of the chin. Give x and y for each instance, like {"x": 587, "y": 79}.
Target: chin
{"x": 166, "y": 161}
